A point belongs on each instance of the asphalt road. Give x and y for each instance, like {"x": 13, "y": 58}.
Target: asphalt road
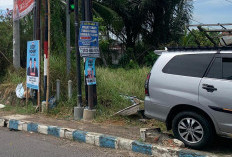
{"x": 23, "y": 144}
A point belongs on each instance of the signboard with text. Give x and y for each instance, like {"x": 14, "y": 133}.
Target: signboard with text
{"x": 88, "y": 39}
{"x": 22, "y": 8}
{"x": 33, "y": 61}
{"x": 90, "y": 72}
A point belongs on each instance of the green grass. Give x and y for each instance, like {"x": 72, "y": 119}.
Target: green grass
{"x": 24, "y": 110}
{"x": 110, "y": 84}
{"x": 113, "y": 82}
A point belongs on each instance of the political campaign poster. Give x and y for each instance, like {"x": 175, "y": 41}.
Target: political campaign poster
{"x": 90, "y": 72}
{"x": 88, "y": 39}
{"x": 22, "y": 8}
{"x": 33, "y": 61}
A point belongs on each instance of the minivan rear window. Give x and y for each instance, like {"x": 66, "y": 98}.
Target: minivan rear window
{"x": 193, "y": 65}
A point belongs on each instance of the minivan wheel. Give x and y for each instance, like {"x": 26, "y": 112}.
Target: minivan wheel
{"x": 193, "y": 129}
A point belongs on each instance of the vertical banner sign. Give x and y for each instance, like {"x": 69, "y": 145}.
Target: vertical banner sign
{"x": 33, "y": 59}
{"x": 88, "y": 39}
{"x": 22, "y": 8}
{"x": 90, "y": 72}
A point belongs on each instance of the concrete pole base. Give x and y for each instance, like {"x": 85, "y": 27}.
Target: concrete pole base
{"x": 89, "y": 114}
{"x": 78, "y": 113}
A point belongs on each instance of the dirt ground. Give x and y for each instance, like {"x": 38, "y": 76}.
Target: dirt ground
{"x": 116, "y": 129}
{"x": 221, "y": 146}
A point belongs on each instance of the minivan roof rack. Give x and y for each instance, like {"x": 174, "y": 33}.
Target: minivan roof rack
{"x": 219, "y": 48}
{"x": 205, "y": 31}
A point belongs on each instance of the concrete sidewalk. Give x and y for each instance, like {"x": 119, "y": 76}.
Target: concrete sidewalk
{"x": 107, "y": 136}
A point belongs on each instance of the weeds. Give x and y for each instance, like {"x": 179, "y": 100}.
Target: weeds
{"x": 111, "y": 83}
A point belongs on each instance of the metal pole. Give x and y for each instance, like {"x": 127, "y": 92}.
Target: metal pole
{"x": 79, "y": 95}
{"x": 83, "y": 9}
{"x": 68, "y": 61}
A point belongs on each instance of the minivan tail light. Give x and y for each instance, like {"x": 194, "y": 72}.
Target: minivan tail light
{"x": 147, "y": 85}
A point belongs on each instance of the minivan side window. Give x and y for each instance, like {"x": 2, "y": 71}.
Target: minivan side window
{"x": 221, "y": 69}
{"x": 193, "y": 65}
{"x": 227, "y": 68}
{"x": 216, "y": 69}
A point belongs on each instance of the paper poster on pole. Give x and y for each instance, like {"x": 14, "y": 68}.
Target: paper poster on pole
{"x": 90, "y": 72}
{"x": 33, "y": 60}
{"x": 88, "y": 39}
{"x": 22, "y": 8}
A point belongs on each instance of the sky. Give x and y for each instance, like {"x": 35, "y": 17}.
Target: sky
{"x": 205, "y": 11}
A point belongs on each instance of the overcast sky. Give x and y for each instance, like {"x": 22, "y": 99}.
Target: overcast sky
{"x": 205, "y": 11}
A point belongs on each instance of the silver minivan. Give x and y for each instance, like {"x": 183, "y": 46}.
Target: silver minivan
{"x": 191, "y": 91}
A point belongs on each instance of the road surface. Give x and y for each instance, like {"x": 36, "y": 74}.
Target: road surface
{"x": 23, "y": 144}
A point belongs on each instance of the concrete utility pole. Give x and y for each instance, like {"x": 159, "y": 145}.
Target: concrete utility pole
{"x": 16, "y": 44}
{"x": 92, "y": 90}
{"x": 78, "y": 111}
{"x": 68, "y": 60}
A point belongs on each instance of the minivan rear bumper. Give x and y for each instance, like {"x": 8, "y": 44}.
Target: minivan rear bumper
{"x": 156, "y": 111}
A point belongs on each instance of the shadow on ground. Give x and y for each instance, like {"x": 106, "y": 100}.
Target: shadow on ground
{"x": 221, "y": 146}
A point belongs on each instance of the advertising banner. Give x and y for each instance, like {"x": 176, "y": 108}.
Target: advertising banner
{"x": 22, "y": 8}
{"x": 90, "y": 72}
{"x": 33, "y": 61}
{"x": 88, "y": 39}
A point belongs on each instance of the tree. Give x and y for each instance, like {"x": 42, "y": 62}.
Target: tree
{"x": 188, "y": 40}
{"x": 154, "y": 21}
{"x": 166, "y": 20}
{"x": 6, "y": 37}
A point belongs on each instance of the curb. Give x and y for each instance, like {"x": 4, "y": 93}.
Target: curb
{"x": 100, "y": 140}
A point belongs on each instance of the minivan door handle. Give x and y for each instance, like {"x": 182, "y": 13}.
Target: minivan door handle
{"x": 209, "y": 88}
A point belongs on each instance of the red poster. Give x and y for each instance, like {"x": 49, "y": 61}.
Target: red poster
{"x": 22, "y": 8}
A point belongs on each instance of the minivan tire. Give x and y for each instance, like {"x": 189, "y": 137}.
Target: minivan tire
{"x": 201, "y": 128}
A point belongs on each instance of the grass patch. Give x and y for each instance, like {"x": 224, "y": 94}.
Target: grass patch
{"x": 111, "y": 83}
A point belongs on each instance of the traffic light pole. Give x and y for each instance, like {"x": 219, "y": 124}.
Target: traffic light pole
{"x": 68, "y": 60}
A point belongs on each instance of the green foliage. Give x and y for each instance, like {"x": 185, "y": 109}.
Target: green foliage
{"x": 58, "y": 27}
{"x": 189, "y": 40}
{"x": 26, "y": 34}
{"x": 6, "y": 37}
{"x": 150, "y": 59}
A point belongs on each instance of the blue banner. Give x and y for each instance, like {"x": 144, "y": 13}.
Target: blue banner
{"x": 88, "y": 39}
{"x": 90, "y": 71}
{"x": 33, "y": 60}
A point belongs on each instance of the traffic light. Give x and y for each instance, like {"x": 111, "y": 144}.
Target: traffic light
{"x": 71, "y": 6}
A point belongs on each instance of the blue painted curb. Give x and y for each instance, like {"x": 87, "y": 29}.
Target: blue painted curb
{"x": 32, "y": 127}
{"x": 107, "y": 141}
{"x": 54, "y": 131}
{"x": 13, "y": 124}
{"x": 142, "y": 147}
{"x": 79, "y": 136}
{"x": 101, "y": 139}
{"x": 189, "y": 154}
